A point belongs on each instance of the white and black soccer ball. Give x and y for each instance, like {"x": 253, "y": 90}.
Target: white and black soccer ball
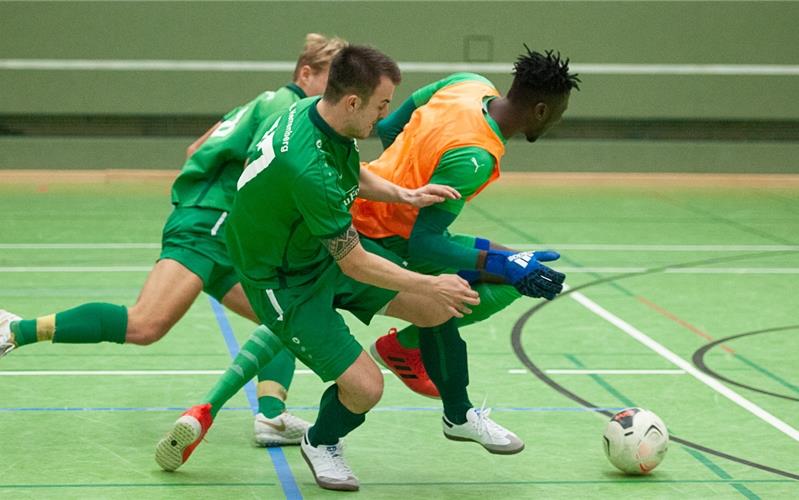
{"x": 636, "y": 440}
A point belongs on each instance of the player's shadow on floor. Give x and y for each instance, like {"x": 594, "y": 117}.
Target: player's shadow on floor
{"x": 614, "y": 475}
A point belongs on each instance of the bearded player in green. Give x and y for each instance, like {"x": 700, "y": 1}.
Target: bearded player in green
{"x": 291, "y": 239}
{"x": 194, "y": 257}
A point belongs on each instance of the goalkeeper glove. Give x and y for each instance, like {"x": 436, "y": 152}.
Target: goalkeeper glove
{"x": 526, "y": 273}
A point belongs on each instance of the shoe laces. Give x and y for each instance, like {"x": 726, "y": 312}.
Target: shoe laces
{"x": 292, "y": 421}
{"x": 335, "y": 458}
{"x": 485, "y": 425}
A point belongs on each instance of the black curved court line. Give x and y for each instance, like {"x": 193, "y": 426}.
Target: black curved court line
{"x": 516, "y": 335}
{"x": 698, "y": 359}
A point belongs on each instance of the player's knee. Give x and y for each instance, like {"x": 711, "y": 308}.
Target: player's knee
{"x": 432, "y": 317}
{"x": 145, "y": 331}
{"x": 363, "y": 392}
{"x": 370, "y": 389}
{"x": 375, "y": 390}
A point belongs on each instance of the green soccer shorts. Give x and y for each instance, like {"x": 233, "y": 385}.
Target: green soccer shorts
{"x": 195, "y": 237}
{"x": 306, "y": 321}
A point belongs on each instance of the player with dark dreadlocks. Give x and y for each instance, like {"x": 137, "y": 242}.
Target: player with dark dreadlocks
{"x": 453, "y": 132}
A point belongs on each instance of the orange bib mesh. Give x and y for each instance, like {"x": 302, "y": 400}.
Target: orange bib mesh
{"x": 452, "y": 118}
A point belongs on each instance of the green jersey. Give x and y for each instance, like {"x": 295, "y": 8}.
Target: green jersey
{"x": 296, "y": 190}
{"x": 208, "y": 178}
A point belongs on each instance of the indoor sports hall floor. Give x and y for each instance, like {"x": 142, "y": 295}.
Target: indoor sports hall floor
{"x": 667, "y": 275}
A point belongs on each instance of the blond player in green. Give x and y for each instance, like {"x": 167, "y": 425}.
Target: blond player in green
{"x": 194, "y": 257}
{"x": 291, "y": 239}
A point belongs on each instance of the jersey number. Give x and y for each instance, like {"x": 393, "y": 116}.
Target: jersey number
{"x": 259, "y": 165}
{"x": 226, "y": 127}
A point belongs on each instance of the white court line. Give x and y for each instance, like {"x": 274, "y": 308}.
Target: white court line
{"x": 598, "y": 247}
{"x": 615, "y": 372}
{"x": 593, "y": 247}
{"x": 104, "y": 373}
{"x": 732, "y": 270}
{"x": 76, "y": 269}
{"x": 684, "y": 365}
{"x": 137, "y": 373}
{"x": 565, "y": 269}
{"x": 78, "y": 246}
{"x": 406, "y": 67}
{"x": 523, "y": 371}
{"x": 681, "y": 270}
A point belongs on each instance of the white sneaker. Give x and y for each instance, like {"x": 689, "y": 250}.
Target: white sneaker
{"x": 6, "y": 341}
{"x": 281, "y": 430}
{"x": 328, "y": 466}
{"x": 481, "y": 429}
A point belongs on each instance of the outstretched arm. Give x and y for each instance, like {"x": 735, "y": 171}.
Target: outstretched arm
{"x": 451, "y": 291}
{"x": 375, "y": 188}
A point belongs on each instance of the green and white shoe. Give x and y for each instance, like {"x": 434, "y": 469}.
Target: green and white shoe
{"x": 282, "y": 430}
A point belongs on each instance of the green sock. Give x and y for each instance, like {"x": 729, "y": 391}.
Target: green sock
{"x": 494, "y": 297}
{"x": 444, "y": 355}
{"x": 281, "y": 371}
{"x": 334, "y": 420}
{"x": 86, "y": 324}
{"x": 270, "y": 406}
{"x": 262, "y": 346}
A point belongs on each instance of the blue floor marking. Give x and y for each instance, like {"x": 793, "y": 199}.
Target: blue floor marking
{"x": 298, "y": 408}
{"x": 284, "y": 474}
{"x": 294, "y": 408}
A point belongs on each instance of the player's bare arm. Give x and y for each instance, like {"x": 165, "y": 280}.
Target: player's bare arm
{"x": 373, "y": 187}
{"x": 194, "y": 146}
{"x": 450, "y": 291}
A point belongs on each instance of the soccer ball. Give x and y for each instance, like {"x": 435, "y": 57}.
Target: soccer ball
{"x": 636, "y": 440}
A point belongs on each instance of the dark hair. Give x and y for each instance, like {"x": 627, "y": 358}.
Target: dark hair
{"x": 357, "y": 69}
{"x": 537, "y": 76}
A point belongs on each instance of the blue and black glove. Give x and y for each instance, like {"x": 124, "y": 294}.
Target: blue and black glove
{"x": 525, "y": 272}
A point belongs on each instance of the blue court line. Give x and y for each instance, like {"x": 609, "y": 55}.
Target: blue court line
{"x": 284, "y": 474}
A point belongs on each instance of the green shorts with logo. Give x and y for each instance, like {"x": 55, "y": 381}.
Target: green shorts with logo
{"x": 306, "y": 321}
{"x": 195, "y": 237}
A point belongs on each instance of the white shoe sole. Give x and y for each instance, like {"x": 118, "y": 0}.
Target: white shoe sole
{"x": 169, "y": 451}
{"x": 269, "y": 440}
{"x": 488, "y": 447}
